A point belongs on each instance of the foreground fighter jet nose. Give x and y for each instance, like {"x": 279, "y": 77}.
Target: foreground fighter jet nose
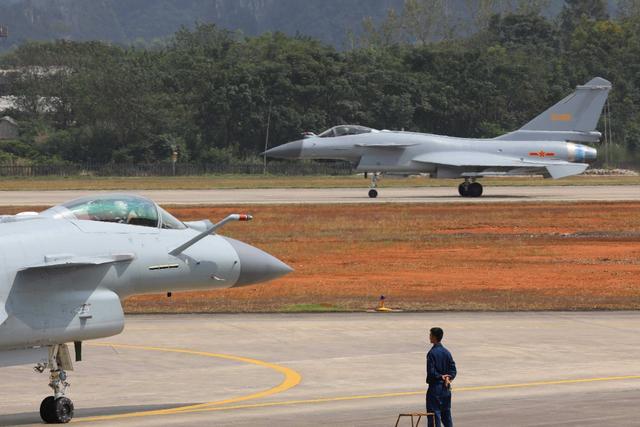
{"x": 590, "y": 154}
{"x": 256, "y": 265}
{"x": 290, "y": 150}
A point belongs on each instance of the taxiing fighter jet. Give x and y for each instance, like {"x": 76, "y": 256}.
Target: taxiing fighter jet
{"x": 66, "y": 270}
{"x": 547, "y": 145}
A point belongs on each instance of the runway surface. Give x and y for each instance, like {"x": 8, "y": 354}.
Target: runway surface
{"x": 345, "y": 195}
{"x": 515, "y": 369}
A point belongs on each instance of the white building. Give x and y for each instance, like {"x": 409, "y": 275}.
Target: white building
{"x": 8, "y": 128}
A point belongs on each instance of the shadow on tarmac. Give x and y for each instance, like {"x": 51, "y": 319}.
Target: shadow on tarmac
{"x": 26, "y": 418}
{"x": 446, "y": 197}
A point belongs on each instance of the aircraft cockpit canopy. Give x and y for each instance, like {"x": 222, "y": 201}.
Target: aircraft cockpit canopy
{"x": 343, "y": 130}
{"x": 122, "y": 209}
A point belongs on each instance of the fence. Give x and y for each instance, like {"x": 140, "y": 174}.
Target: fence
{"x": 188, "y": 169}
{"x": 179, "y": 169}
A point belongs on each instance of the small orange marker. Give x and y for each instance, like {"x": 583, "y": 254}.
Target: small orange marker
{"x": 381, "y": 306}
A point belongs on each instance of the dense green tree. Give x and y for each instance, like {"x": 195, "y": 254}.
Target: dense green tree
{"x": 208, "y": 92}
{"x": 523, "y": 30}
{"x": 576, "y": 10}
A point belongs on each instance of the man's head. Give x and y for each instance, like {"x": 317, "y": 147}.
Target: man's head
{"x": 435, "y": 335}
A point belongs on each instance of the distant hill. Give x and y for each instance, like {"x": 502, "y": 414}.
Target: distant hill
{"x": 126, "y": 21}
{"x": 129, "y": 21}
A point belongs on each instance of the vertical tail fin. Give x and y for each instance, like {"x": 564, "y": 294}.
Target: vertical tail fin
{"x": 579, "y": 111}
{"x": 573, "y": 118}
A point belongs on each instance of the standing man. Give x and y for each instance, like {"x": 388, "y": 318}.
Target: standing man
{"x": 441, "y": 370}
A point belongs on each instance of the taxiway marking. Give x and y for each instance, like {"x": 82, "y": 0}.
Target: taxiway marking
{"x": 414, "y": 393}
{"x": 291, "y": 379}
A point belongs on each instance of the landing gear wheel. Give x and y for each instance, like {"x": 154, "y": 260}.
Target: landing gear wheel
{"x": 475, "y": 189}
{"x": 46, "y": 409}
{"x": 63, "y": 410}
{"x": 373, "y": 193}
{"x": 462, "y": 190}
{"x": 56, "y": 411}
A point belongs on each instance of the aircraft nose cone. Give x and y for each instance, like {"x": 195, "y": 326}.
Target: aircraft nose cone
{"x": 256, "y": 265}
{"x": 590, "y": 154}
{"x": 290, "y": 150}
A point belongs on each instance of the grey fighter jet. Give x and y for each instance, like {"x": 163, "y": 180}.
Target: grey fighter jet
{"x": 550, "y": 145}
{"x": 66, "y": 270}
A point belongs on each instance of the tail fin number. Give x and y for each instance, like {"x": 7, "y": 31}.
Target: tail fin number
{"x": 561, "y": 117}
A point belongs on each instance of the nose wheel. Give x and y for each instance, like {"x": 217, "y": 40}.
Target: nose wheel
{"x": 57, "y": 409}
{"x": 470, "y": 189}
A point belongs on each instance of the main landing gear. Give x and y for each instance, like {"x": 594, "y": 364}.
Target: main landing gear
{"x": 373, "y": 193}
{"x": 57, "y": 409}
{"x": 470, "y": 188}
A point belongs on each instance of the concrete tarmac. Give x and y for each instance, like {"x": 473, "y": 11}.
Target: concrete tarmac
{"x": 344, "y": 195}
{"x": 357, "y": 369}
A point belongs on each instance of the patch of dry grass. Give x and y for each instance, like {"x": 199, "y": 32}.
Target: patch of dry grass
{"x": 259, "y": 181}
{"x": 547, "y": 256}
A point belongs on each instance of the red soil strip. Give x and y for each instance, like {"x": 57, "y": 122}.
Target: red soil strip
{"x": 542, "y": 256}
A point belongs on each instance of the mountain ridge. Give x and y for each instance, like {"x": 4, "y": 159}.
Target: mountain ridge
{"x": 128, "y": 21}
{"x": 334, "y": 22}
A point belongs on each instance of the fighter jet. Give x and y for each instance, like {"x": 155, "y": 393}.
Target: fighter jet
{"x": 550, "y": 145}
{"x": 66, "y": 270}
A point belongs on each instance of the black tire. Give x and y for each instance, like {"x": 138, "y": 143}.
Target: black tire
{"x": 46, "y": 409}
{"x": 475, "y": 189}
{"x": 63, "y": 410}
{"x": 373, "y": 193}
{"x": 462, "y": 190}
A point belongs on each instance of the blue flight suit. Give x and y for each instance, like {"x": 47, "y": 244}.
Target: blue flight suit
{"x": 439, "y": 363}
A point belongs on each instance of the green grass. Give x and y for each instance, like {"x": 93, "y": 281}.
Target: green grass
{"x": 269, "y": 181}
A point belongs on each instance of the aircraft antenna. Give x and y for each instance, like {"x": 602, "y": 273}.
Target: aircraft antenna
{"x": 608, "y": 133}
{"x": 266, "y": 141}
{"x": 610, "y": 140}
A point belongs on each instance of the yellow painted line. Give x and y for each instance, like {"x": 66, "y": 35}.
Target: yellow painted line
{"x": 414, "y": 393}
{"x": 291, "y": 379}
{"x": 552, "y": 382}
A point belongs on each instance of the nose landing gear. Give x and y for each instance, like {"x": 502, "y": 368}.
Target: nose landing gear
{"x": 57, "y": 409}
{"x": 470, "y": 188}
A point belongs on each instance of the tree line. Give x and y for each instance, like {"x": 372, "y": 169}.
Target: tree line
{"x": 208, "y": 93}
